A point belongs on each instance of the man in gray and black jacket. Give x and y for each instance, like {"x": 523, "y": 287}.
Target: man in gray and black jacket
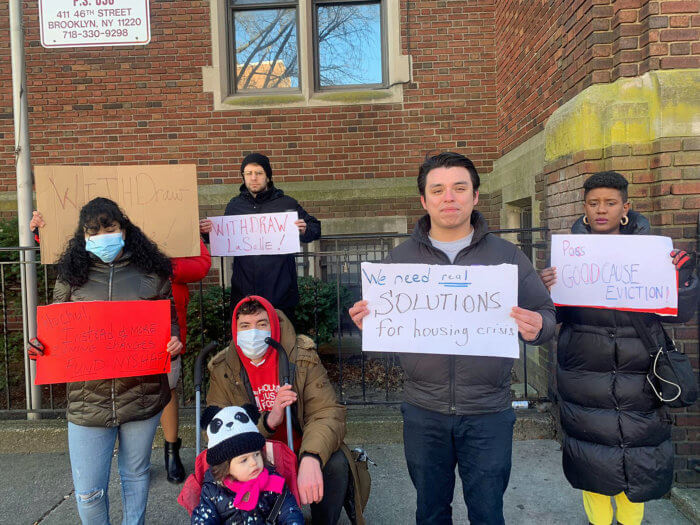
{"x": 457, "y": 409}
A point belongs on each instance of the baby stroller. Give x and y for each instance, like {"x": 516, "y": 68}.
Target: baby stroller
{"x": 277, "y": 453}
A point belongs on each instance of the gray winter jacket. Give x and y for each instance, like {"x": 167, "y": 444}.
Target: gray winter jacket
{"x": 467, "y": 385}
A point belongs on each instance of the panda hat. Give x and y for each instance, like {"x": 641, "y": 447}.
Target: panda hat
{"x": 232, "y": 431}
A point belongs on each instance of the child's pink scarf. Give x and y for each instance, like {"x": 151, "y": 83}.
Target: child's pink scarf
{"x": 247, "y": 493}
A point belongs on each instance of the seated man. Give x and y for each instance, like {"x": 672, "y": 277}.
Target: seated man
{"x": 250, "y": 371}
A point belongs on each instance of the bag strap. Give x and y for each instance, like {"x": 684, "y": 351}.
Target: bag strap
{"x": 643, "y": 331}
{"x": 656, "y": 350}
{"x": 276, "y": 508}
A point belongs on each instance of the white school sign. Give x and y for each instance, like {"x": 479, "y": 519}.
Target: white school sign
{"x": 255, "y": 234}
{"x": 435, "y": 309}
{"x": 622, "y": 272}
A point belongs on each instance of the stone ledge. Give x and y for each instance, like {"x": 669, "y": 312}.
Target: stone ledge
{"x": 687, "y": 501}
{"x": 365, "y": 425}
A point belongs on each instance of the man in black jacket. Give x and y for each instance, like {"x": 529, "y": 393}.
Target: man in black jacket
{"x": 457, "y": 409}
{"x": 271, "y": 276}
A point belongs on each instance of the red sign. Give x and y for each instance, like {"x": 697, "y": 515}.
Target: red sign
{"x": 91, "y": 340}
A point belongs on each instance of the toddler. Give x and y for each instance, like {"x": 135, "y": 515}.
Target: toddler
{"x": 239, "y": 488}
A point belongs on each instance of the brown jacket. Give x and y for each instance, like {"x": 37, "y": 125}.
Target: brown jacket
{"x": 318, "y": 416}
{"x": 111, "y": 402}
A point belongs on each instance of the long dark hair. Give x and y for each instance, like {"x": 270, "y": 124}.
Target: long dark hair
{"x": 74, "y": 264}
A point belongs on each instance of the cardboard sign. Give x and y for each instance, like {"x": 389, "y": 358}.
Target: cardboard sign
{"x": 435, "y": 309}
{"x": 255, "y": 234}
{"x": 621, "y": 272}
{"x": 161, "y": 200}
{"x": 84, "y": 341}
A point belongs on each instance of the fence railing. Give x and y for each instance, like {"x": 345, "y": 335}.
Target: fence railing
{"x": 329, "y": 283}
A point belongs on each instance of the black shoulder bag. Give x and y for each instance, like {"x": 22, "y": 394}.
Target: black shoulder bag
{"x": 670, "y": 369}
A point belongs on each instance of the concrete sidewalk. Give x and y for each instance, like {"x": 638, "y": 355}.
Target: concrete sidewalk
{"x": 37, "y": 488}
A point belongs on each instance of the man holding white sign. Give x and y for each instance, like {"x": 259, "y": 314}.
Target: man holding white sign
{"x": 271, "y": 276}
{"x": 457, "y": 408}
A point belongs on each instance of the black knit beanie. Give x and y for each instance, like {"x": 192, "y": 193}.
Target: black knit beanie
{"x": 233, "y": 432}
{"x": 260, "y": 160}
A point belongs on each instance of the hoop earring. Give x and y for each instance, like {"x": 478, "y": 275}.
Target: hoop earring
{"x": 585, "y": 220}
{"x": 625, "y": 219}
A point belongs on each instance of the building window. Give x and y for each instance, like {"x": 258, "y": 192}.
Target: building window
{"x": 281, "y": 53}
{"x": 265, "y": 46}
{"x": 348, "y": 45}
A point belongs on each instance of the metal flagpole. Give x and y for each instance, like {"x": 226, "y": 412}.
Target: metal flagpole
{"x": 24, "y": 199}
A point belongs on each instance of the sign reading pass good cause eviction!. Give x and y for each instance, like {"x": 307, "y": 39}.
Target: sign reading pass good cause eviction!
{"x": 86, "y": 23}
{"x": 434, "y": 309}
{"x": 622, "y": 272}
{"x": 161, "y": 200}
{"x": 255, "y": 234}
{"x": 102, "y": 340}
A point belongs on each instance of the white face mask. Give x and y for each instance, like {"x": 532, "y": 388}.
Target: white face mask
{"x": 252, "y": 342}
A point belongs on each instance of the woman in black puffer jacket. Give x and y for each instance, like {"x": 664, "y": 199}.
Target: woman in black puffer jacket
{"x": 616, "y": 433}
{"x": 110, "y": 259}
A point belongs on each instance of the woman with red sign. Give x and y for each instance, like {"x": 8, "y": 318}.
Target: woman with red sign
{"x": 616, "y": 433}
{"x": 110, "y": 259}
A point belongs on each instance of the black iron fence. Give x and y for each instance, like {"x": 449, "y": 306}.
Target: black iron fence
{"x": 329, "y": 279}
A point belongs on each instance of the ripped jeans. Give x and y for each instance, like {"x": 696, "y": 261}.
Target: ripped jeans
{"x": 91, "y": 450}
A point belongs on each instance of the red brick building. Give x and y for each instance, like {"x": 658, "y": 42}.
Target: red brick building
{"x": 538, "y": 93}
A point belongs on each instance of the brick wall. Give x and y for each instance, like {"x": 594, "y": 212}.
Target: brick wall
{"x": 548, "y": 52}
{"x": 145, "y": 104}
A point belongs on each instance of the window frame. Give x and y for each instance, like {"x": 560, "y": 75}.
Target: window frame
{"x": 316, "y": 61}
{"x": 232, "y": 7}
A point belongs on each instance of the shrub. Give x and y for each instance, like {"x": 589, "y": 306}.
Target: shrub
{"x": 317, "y": 311}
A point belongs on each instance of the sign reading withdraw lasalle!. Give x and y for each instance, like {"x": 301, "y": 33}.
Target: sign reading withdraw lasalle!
{"x": 435, "y": 309}
{"x": 255, "y": 234}
{"x": 622, "y": 272}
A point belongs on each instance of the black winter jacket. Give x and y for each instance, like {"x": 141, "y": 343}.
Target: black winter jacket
{"x": 465, "y": 385}
{"x": 616, "y": 433}
{"x": 273, "y": 277}
{"x": 111, "y": 402}
{"x": 216, "y": 507}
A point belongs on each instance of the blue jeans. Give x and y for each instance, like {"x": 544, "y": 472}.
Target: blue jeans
{"x": 91, "y": 450}
{"x": 480, "y": 446}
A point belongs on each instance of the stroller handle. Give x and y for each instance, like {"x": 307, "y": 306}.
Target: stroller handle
{"x": 198, "y": 364}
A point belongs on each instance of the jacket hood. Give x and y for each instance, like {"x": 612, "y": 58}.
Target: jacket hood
{"x": 271, "y": 314}
{"x": 637, "y": 225}
{"x": 272, "y": 192}
{"x": 422, "y": 228}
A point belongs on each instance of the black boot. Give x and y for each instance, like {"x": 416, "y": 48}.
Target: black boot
{"x": 173, "y": 465}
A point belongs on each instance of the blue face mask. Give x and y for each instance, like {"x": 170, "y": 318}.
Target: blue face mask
{"x": 252, "y": 342}
{"x": 106, "y": 246}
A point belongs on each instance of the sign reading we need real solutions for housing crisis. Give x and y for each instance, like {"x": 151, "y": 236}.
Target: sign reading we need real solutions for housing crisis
{"x": 622, "y": 272}
{"x": 435, "y": 309}
{"x": 255, "y": 234}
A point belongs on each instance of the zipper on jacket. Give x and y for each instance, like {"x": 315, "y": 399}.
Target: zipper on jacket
{"x": 453, "y": 404}
{"x": 114, "y": 381}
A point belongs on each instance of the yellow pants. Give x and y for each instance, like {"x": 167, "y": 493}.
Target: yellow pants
{"x": 600, "y": 511}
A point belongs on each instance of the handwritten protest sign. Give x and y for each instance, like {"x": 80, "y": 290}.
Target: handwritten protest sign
{"x": 623, "y": 272}
{"x": 255, "y": 234}
{"x": 161, "y": 200}
{"x": 102, "y": 340}
{"x": 433, "y": 309}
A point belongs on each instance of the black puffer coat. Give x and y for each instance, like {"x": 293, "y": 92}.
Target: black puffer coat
{"x": 616, "y": 433}
{"x": 273, "y": 277}
{"x": 112, "y": 402}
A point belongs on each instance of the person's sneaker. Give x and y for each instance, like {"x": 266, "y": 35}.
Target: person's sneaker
{"x": 173, "y": 465}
